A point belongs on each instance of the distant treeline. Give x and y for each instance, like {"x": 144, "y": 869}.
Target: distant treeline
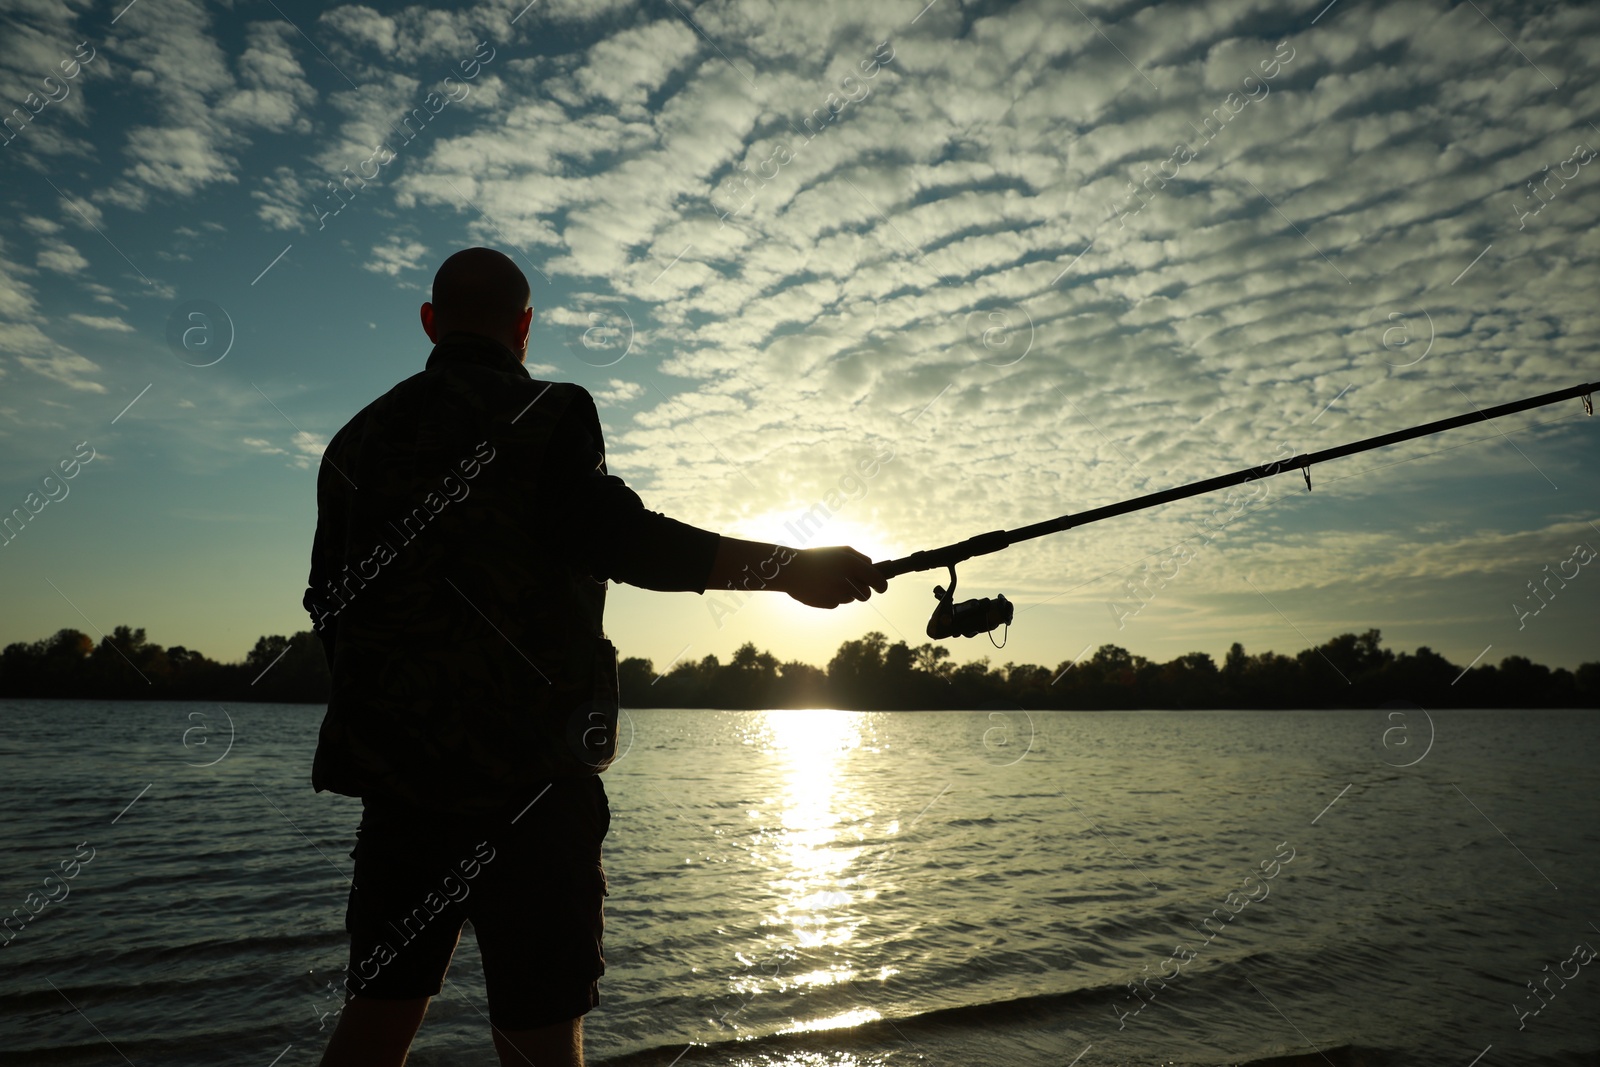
{"x": 1350, "y": 671}
{"x": 125, "y": 666}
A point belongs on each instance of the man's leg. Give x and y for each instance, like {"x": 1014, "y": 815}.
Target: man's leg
{"x": 558, "y": 1045}
{"x": 402, "y": 934}
{"x": 538, "y": 913}
{"x": 374, "y": 1033}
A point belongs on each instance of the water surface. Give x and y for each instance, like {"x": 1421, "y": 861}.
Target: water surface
{"x": 842, "y": 888}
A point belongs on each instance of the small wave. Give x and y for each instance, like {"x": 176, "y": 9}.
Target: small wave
{"x": 938, "y": 1026}
{"x": 972, "y": 1018}
{"x": 1339, "y": 1056}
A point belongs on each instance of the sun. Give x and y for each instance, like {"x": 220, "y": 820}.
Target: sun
{"x": 799, "y": 528}
{"x": 817, "y": 527}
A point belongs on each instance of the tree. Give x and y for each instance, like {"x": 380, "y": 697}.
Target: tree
{"x": 123, "y": 663}
{"x": 802, "y": 685}
{"x": 634, "y": 679}
{"x": 930, "y": 659}
{"x": 1353, "y": 658}
{"x": 1190, "y": 680}
{"x": 855, "y": 673}
{"x": 265, "y": 654}
{"x": 72, "y": 646}
{"x": 747, "y": 657}
{"x": 750, "y": 680}
{"x": 1522, "y": 682}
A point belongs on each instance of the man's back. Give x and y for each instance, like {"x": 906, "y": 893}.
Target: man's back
{"x": 462, "y": 632}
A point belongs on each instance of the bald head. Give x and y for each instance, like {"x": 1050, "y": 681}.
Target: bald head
{"x": 479, "y": 290}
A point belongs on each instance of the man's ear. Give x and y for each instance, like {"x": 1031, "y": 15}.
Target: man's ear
{"x": 524, "y": 323}
{"x": 427, "y": 322}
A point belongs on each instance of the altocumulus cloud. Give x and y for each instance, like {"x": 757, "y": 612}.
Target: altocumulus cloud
{"x": 951, "y": 265}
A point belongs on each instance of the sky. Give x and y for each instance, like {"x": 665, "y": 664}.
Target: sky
{"x": 887, "y": 275}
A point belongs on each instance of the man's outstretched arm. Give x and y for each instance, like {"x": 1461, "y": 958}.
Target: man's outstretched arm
{"x": 616, "y": 537}
{"x": 817, "y": 577}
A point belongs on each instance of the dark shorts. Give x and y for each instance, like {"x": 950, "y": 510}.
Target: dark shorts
{"x": 530, "y": 880}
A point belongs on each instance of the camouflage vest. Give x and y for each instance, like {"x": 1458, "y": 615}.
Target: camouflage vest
{"x": 468, "y": 657}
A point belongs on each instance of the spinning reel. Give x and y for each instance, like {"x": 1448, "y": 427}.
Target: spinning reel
{"x": 968, "y": 618}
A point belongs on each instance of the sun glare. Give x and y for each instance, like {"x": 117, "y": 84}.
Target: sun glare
{"x": 792, "y": 529}
{"x": 799, "y": 528}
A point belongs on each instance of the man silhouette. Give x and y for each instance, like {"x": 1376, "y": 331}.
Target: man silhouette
{"x": 466, "y": 527}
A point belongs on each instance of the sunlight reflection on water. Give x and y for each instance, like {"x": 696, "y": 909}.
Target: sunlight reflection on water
{"x": 811, "y": 843}
{"x": 811, "y": 1059}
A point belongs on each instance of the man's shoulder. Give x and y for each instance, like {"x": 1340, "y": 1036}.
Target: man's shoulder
{"x": 482, "y": 395}
{"x": 564, "y": 397}
{"x": 483, "y": 391}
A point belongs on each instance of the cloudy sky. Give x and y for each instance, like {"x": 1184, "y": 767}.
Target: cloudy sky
{"x": 1044, "y": 256}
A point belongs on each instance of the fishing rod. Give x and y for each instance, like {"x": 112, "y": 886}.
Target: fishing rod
{"x": 973, "y": 617}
